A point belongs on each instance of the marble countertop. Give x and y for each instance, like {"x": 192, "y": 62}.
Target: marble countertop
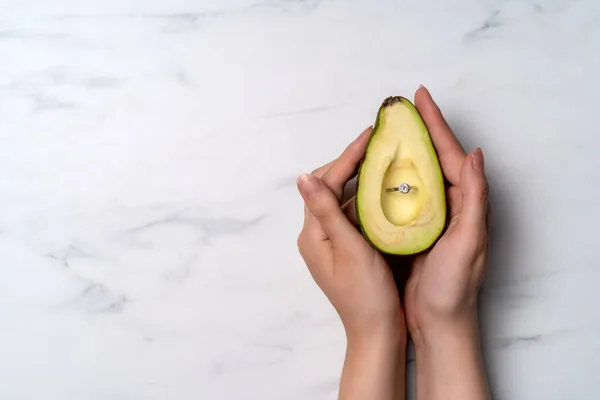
{"x": 148, "y": 209}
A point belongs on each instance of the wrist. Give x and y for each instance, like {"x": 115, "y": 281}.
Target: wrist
{"x": 428, "y": 328}
{"x": 450, "y": 356}
{"x": 454, "y": 334}
{"x": 374, "y": 367}
{"x": 384, "y": 343}
{"x": 390, "y": 336}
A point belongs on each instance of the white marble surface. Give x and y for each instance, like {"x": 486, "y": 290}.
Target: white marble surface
{"x": 148, "y": 210}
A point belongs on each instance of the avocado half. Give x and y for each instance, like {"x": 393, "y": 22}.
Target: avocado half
{"x": 400, "y": 151}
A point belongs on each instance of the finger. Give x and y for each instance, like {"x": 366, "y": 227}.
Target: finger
{"x": 312, "y": 227}
{"x": 316, "y": 253}
{"x": 454, "y": 201}
{"x": 319, "y": 172}
{"x": 450, "y": 152}
{"x": 325, "y": 207}
{"x": 349, "y": 209}
{"x": 490, "y": 213}
{"x": 345, "y": 166}
{"x": 474, "y": 188}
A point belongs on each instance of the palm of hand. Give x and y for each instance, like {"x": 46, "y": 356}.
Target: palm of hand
{"x": 375, "y": 281}
{"x": 444, "y": 281}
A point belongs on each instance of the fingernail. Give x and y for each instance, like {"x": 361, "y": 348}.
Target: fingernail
{"x": 363, "y": 136}
{"x": 478, "y": 159}
{"x": 365, "y": 132}
{"x": 307, "y": 184}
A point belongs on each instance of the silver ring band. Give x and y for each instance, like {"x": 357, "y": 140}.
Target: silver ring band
{"x": 404, "y": 188}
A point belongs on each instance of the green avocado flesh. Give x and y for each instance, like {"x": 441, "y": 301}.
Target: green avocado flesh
{"x": 400, "y": 151}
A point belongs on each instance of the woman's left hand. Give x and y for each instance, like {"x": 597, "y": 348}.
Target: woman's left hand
{"x": 356, "y": 279}
{"x": 354, "y": 276}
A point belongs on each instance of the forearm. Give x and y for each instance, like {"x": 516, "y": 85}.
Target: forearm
{"x": 450, "y": 363}
{"x": 374, "y": 370}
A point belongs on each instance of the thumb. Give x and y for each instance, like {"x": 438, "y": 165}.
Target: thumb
{"x": 324, "y": 205}
{"x": 474, "y": 188}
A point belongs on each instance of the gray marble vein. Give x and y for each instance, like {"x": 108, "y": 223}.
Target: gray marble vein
{"x": 483, "y": 32}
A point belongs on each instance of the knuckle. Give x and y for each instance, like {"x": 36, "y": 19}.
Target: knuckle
{"x": 304, "y": 243}
{"x": 472, "y": 243}
{"x": 301, "y": 242}
{"x": 472, "y": 237}
{"x": 322, "y": 170}
{"x": 484, "y": 192}
{"x": 328, "y": 211}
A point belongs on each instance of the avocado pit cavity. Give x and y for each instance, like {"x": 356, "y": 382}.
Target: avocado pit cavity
{"x": 402, "y": 208}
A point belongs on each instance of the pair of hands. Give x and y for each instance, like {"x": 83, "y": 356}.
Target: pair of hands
{"x": 439, "y": 304}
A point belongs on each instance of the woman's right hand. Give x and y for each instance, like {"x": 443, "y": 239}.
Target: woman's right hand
{"x": 444, "y": 282}
{"x": 441, "y": 292}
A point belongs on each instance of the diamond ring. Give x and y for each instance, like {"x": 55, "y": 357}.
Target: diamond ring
{"x": 404, "y": 188}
